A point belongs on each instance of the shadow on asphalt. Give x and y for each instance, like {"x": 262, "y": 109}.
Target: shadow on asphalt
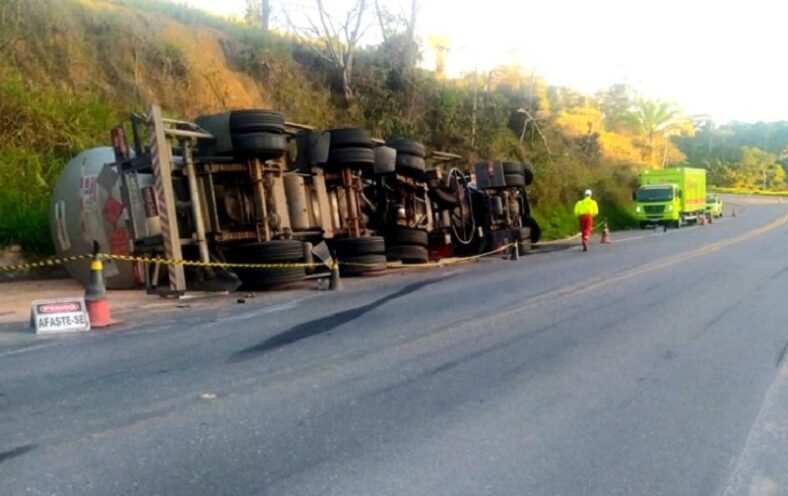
{"x": 19, "y": 451}
{"x": 323, "y": 324}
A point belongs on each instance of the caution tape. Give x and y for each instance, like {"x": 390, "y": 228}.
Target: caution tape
{"x": 50, "y": 262}
{"x": 197, "y": 263}
{"x": 53, "y": 262}
{"x": 441, "y": 263}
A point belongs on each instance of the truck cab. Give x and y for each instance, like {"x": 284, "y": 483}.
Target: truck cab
{"x": 658, "y": 204}
{"x": 671, "y": 196}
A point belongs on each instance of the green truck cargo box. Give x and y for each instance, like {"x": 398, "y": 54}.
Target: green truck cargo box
{"x": 672, "y": 196}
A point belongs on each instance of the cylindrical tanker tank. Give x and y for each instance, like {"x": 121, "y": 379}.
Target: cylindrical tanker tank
{"x": 297, "y": 202}
{"x": 87, "y": 206}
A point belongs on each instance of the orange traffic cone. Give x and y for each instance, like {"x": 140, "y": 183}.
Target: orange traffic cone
{"x": 605, "y": 235}
{"x": 96, "y": 294}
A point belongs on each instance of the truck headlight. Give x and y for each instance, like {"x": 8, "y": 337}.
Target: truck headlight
{"x": 670, "y": 208}
{"x": 637, "y": 210}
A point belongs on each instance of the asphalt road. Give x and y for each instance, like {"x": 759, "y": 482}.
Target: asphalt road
{"x": 652, "y": 366}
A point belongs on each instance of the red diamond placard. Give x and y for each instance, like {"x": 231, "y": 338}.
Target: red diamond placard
{"x": 112, "y": 210}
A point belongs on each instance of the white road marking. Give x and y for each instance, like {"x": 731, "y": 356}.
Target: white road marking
{"x": 23, "y": 350}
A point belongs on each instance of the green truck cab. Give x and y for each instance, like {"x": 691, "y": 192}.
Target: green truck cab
{"x": 671, "y": 197}
{"x": 713, "y": 206}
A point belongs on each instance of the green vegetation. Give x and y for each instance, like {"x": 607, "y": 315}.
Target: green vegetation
{"x": 740, "y": 157}
{"x": 101, "y": 59}
{"x": 40, "y": 130}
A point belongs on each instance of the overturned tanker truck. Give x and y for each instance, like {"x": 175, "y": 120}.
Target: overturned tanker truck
{"x": 247, "y": 187}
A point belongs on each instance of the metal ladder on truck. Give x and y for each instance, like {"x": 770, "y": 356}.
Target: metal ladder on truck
{"x": 152, "y": 210}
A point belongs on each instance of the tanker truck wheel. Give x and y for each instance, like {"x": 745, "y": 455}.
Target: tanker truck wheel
{"x": 359, "y": 255}
{"x": 407, "y": 245}
{"x": 354, "y": 266}
{"x": 408, "y": 254}
{"x": 528, "y": 174}
{"x": 536, "y": 230}
{"x": 352, "y": 247}
{"x": 514, "y": 180}
{"x": 524, "y": 240}
{"x": 407, "y": 236}
{"x": 255, "y": 121}
{"x": 512, "y": 167}
{"x": 268, "y": 252}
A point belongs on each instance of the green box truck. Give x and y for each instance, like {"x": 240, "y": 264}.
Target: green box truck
{"x": 672, "y": 196}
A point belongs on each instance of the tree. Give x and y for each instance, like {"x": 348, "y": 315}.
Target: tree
{"x": 655, "y": 119}
{"x": 252, "y": 12}
{"x": 616, "y": 104}
{"x": 439, "y": 44}
{"x": 399, "y": 38}
{"x": 758, "y": 168}
{"x": 337, "y": 41}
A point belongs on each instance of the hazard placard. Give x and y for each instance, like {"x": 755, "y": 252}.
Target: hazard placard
{"x": 112, "y": 210}
{"x": 59, "y": 316}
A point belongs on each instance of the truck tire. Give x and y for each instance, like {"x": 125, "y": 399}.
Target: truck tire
{"x": 278, "y": 251}
{"x": 255, "y": 120}
{"x": 408, "y": 254}
{"x": 354, "y": 247}
{"x": 528, "y": 174}
{"x": 536, "y": 230}
{"x": 365, "y": 264}
{"x": 523, "y": 237}
{"x": 512, "y": 167}
{"x": 407, "y": 236}
{"x": 410, "y": 165}
{"x": 260, "y": 143}
{"x": 408, "y": 147}
{"x": 350, "y": 138}
{"x": 267, "y": 251}
{"x": 351, "y": 157}
{"x": 264, "y": 278}
{"x": 643, "y": 225}
{"x": 514, "y": 180}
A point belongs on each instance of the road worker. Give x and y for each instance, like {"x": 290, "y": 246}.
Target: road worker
{"x": 585, "y": 211}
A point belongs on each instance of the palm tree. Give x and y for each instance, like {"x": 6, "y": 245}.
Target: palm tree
{"x": 656, "y": 118}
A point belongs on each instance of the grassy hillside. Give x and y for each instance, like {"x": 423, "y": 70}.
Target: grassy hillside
{"x": 70, "y": 69}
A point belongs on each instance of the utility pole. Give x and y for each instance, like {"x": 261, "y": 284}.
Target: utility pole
{"x": 265, "y": 15}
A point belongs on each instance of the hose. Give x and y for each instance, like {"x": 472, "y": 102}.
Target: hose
{"x": 454, "y": 172}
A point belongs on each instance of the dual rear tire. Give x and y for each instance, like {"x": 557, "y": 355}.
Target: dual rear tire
{"x": 359, "y": 255}
{"x": 407, "y": 245}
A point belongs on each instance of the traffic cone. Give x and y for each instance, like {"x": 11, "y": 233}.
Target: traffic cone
{"x": 96, "y": 294}
{"x": 606, "y": 235}
{"x": 514, "y": 253}
{"x": 335, "y": 283}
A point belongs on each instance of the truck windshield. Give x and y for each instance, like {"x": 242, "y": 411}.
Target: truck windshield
{"x": 654, "y": 194}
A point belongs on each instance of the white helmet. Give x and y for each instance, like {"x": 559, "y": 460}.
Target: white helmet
{"x": 588, "y": 193}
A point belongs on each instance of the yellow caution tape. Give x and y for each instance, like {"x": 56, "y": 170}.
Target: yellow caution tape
{"x": 441, "y": 263}
{"x": 50, "y": 262}
{"x": 197, "y": 263}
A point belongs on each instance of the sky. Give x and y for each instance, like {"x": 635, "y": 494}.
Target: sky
{"x": 721, "y": 58}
